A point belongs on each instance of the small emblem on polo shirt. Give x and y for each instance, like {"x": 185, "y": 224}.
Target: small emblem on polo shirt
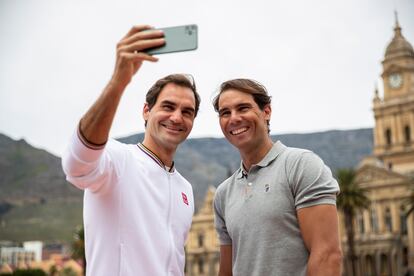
{"x": 267, "y": 187}
{"x": 185, "y": 200}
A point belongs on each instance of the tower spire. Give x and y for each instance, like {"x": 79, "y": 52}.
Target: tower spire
{"x": 397, "y": 24}
{"x": 398, "y": 46}
{"x": 397, "y": 28}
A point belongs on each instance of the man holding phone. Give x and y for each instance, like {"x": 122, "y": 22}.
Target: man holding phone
{"x": 276, "y": 214}
{"x": 137, "y": 208}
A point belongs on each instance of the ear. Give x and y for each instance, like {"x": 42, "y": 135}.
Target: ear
{"x": 145, "y": 112}
{"x": 267, "y": 110}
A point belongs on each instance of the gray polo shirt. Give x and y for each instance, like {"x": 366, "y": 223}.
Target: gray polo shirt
{"x": 257, "y": 213}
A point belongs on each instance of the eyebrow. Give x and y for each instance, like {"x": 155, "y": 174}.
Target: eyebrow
{"x": 244, "y": 104}
{"x": 192, "y": 109}
{"x": 168, "y": 102}
{"x": 237, "y": 106}
{"x": 223, "y": 109}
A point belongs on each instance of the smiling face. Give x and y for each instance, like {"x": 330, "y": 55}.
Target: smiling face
{"x": 243, "y": 123}
{"x": 171, "y": 118}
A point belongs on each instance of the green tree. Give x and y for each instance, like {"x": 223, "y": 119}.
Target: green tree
{"x": 351, "y": 199}
{"x": 67, "y": 272}
{"x": 29, "y": 272}
{"x": 53, "y": 270}
{"x": 78, "y": 247}
{"x": 409, "y": 202}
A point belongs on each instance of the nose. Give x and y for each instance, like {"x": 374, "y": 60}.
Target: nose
{"x": 234, "y": 118}
{"x": 176, "y": 116}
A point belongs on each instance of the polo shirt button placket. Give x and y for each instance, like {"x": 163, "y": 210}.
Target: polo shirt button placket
{"x": 248, "y": 190}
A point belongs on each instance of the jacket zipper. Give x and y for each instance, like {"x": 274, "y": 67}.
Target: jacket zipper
{"x": 169, "y": 222}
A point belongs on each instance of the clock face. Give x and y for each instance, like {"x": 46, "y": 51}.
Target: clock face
{"x": 395, "y": 80}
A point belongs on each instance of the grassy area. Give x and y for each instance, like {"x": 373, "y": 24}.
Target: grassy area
{"x": 51, "y": 221}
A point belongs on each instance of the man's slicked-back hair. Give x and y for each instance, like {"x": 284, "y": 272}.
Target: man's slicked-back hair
{"x": 252, "y": 87}
{"x": 178, "y": 79}
{"x": 248, "y": 86}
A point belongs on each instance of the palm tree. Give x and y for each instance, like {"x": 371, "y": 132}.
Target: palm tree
{"x": 351, "y": 199}
{"x": 53, "y": 271}
{"x": 78, "y": 247}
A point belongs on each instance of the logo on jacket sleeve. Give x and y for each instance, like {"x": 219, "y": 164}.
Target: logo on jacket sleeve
{"x": 185, "y": 200}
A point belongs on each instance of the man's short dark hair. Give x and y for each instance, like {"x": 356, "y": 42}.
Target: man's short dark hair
{"x": 178, "y": 79}
{"x": 252, "y": 87}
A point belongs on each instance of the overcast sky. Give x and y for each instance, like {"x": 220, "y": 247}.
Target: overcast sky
{"x": 320, "y": 60}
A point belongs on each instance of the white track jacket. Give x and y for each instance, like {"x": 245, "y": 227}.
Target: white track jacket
{"x": 136, "y": 213}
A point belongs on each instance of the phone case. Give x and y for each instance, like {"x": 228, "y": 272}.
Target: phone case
{"x": 177, "y": 39}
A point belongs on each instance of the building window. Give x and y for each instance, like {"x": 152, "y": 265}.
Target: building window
{"x": 407, "y": 134}
{"x": 388, "y": 219}
{"x": 388, "y": 137}
{"x": 405, "y": 257}
{"x": 384, "y": 264}
{"x": 200, "y": 240}
{"x": 360, "y": 219}
{"x": 369, "y": 265}
{"x": 374, "y": 221}
{"x": 403, "y": 221}
{"x": 200, "y": 266}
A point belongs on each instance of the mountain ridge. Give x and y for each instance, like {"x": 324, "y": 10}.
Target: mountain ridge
{"x": 36, "y": 202}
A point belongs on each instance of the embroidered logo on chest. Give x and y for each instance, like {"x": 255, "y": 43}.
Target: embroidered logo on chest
{"x": 185, "y": 200}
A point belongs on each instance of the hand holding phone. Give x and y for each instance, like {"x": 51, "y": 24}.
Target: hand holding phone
{"x": 177, "y": 39}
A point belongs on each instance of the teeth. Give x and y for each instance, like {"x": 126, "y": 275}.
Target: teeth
{"x": 173, "y": 128}
{"x": 238, "y": 131}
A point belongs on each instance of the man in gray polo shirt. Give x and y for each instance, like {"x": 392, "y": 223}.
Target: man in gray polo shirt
{"x": 276, "y": 215}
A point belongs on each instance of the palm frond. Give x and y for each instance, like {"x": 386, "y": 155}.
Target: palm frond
{"x": 351, "y": 197}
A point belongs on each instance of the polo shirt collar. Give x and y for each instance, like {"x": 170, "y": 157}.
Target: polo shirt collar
{"x": 276, "y": 149}
{"x": 154, "y": 157}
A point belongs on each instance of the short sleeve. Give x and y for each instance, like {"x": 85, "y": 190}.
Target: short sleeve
{"x": 219, "y": 219}
{"x": 311, "y": 181}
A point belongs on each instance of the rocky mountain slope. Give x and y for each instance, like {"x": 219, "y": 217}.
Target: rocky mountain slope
{"x": 36, "y": 202}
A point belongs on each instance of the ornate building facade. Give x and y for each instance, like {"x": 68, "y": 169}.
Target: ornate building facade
{"x": 202, "y": 249}
{"x": 384, "y": 237}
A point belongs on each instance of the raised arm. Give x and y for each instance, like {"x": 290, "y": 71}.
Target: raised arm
{"x": 319, "y": 228}
{"x": 96, "y": 123}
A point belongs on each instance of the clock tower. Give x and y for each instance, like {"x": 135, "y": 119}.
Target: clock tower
{"x": 394, "y": 113}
